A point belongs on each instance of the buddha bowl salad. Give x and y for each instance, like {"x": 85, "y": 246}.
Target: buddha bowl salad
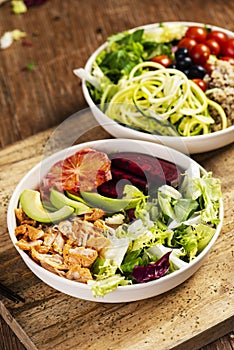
{"x": 169, "y": 80}
{"x": 110, "y": 220}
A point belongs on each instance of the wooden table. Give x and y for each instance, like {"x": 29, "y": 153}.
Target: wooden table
{"x": 60, "y": 37}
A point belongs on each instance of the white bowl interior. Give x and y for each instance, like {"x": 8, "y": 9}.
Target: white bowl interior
{"x": 187, "y": 145}
{"x": 122, "y": 293}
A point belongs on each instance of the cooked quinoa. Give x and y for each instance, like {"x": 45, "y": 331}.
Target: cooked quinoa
{"x": 220, "y": 88}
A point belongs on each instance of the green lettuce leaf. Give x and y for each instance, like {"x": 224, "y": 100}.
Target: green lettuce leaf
{"x": 132, "y": 258}
{"x": 210, "y": 193}
{"x": 132, "y": 192}
{"x": 102, "y": 287}
{"x": 186, "y": 238}
{"x": 127, "y": 49}
{"x": 204, "y": 234}
{"x": 194, "y": 238}
{"x": 184, "y": 208}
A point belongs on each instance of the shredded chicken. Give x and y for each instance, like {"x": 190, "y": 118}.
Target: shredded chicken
{"x": 67, "y": 249}
{"x": 54, "y": 260}
{"x": 29, "y": 231}
{"x": 86, "y": 234}
{"x": 79, "y": 274}
{"x": 22, "y": 218}
{"x": 95, "y": 215}
{"x": 49, "y": 238}
{"x": 58, "y": 243}
{"x": 28, "y": 245}
{"x": 79, "y": 256}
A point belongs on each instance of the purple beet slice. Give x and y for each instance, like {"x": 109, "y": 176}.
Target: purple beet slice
{"x": 137, "y": 181}
{"x": 141, "y": 170}
{"x": 144, "y": 165}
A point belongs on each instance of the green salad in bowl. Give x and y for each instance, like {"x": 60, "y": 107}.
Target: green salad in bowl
{"x": 169, "y": 83}
{"x": 115, "y": 220}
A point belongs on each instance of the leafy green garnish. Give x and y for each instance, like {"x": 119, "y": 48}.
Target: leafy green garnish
{"x": 30, "y": 66}
{"x": 107, "y": 285}
{"x": 125, "y": 50}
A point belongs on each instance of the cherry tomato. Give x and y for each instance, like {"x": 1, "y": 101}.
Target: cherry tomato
{"x": 213, "y": 46}
{"x": 200, "y": 54}
{"x": 188, "y": 43}
{"x": 200, "y": 83}
{"x": 227, "y": 48}
{"x": 228, "y": 59}
{"x": 218, "y": 36}
{"x": 197, "y": 33}
{"x": 209, "y": 67}
{"x": 164, "y": 60}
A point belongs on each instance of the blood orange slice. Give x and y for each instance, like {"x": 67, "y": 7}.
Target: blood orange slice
{"x": 85, "y": 170}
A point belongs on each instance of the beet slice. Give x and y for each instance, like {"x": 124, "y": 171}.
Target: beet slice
{"x": 121, "y": 161}
{"x": 143, "y": 171}
{"x": 144, "y": 165}
{"x": 108, "y": 189}
{"x": 137, "y": 181}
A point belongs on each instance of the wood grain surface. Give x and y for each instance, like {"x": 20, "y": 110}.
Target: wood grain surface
{"x": 60, "y": 37}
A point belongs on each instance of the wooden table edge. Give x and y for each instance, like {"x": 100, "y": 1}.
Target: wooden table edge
{"x": 16, "y": 328}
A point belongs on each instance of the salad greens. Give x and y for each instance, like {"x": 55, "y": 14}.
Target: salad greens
{"x": 132, "y": 86}
{"x": 124, "y": 51}
{"x": 169, "y": 231}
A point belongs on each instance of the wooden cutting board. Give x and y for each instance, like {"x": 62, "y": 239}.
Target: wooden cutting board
{"x": 187, "y": 317}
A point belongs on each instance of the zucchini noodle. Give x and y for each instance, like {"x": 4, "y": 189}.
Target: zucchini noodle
{"x": 161, "y": 100}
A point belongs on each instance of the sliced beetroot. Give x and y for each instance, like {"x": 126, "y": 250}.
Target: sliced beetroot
{"x": 143, "y": 171}
{"x": 122, "y": 161}
{"x": 118, "y": 174}
{"x": 144, "y": 165}
{"x": 131, "y": 215}
{"x": 108, "y": 189}
{"x": 152, "y": 272}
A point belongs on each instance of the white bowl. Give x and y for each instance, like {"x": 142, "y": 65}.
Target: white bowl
{"x": 189, "y": 144}
{"x": 123, "y": 293}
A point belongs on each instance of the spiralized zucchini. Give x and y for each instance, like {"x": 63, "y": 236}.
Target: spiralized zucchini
{"x": 161, "y": 100}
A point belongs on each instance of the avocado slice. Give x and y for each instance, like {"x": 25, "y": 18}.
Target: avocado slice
{"x": 31, "y": 204}
{"x": 75, "y": 197}
{"x": 59, "y": 199}
{"x": 107, "y": 204}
